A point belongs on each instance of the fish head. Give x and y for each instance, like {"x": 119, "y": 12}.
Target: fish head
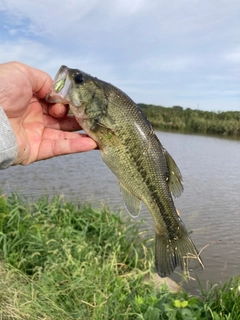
{"x": 81, "y": 91}
{"x": 65, "y": 87}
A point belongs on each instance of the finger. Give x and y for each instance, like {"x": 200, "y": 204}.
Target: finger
{"x": 52, "y": 148}
{"x": 68, "y": 123}
{"x": 40, "y": 80}
{"x": 52, "y": 134}
{"x": 58, "y": 110}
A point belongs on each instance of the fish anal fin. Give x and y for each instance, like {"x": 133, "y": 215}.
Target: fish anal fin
{"x": 132, "y": 203}
{"x": 175, "y": 181}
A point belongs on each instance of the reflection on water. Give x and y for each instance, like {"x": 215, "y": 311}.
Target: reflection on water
{"x": 209, "y": 205}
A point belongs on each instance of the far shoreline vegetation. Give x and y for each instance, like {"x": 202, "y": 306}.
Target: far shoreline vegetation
{"x": 177, "y": 119}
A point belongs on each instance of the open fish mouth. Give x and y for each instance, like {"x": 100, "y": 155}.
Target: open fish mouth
{"x": 60, "y": 87}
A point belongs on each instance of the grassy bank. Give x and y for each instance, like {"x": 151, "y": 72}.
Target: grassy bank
{"x": 177, "y": 119}
{"x": 59, "y": 261}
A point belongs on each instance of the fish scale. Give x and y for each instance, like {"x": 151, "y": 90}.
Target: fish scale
{"x": 130, "y": 148}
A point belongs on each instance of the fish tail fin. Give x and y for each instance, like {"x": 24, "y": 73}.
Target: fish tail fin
{"x": 178, "y": 252}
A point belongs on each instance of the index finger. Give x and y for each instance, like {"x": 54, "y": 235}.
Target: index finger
{"x": 40, "y": 80}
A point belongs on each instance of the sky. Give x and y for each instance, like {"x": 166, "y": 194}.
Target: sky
{"x": 162, "y": 52}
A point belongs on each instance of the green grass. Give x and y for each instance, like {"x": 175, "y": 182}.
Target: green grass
{"x": 60, "y": 261}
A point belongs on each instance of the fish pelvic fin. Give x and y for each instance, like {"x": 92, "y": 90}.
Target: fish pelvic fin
{"x": 170, "y": 254}
{"x": 132, "y": 203}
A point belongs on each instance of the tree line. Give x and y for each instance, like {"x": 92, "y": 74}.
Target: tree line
{"x": 193, "y": 121}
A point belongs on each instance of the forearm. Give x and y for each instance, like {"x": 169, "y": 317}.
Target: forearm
{"x": 8, "y": 142}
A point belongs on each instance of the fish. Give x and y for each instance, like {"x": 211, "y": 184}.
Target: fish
{"x": 130, "y": 148}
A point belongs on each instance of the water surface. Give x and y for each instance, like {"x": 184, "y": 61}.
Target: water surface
{"x": 209, "y": 205}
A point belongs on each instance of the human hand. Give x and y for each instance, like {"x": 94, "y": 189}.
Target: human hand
{"x": 41, "y": 129}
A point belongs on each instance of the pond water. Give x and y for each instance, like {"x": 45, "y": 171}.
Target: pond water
{"x": 209, "y": 206}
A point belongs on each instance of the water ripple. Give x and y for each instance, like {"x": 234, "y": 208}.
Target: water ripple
{"x": 209, "y": 205}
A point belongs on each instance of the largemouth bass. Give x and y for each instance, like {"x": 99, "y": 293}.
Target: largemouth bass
{"x": 128, "y": 145}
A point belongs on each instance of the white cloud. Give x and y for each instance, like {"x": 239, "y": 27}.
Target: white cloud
{"x": 27, "y": 51}
{"x": 169, "y": 63}
{"x": 132, "y": 7}
{"x": 49, "y": 59}
{"x": 233, "y": 56}
{"x": 167, "y": 17}
{"x": 155, "y": 50}
{"x": 50, "y": 17}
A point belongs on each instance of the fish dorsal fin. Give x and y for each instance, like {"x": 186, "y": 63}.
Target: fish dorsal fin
{"x": 175, "y": 181}
{"x": 132, "y": 203}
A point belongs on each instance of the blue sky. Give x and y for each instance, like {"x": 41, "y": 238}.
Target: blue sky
{"x": 163, "y": 52}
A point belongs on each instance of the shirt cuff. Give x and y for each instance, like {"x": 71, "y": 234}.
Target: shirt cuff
{"x": 8, "y": 142}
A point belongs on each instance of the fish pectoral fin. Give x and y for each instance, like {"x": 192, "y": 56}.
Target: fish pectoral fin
{"x": 132, "y": 203}
{"x": 175, "y": 181}
{"x": 102, "y": 125}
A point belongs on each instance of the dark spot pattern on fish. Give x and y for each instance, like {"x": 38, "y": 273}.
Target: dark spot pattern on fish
{"x": 139, "y": 162}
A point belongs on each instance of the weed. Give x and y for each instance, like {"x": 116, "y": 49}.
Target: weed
{"x": 60, "y": 261}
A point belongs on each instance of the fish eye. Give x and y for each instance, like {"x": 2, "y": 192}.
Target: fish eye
{"x": 78, "y": 78}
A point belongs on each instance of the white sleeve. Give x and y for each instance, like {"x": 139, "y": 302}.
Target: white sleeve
{"x": 8, "y": 142}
